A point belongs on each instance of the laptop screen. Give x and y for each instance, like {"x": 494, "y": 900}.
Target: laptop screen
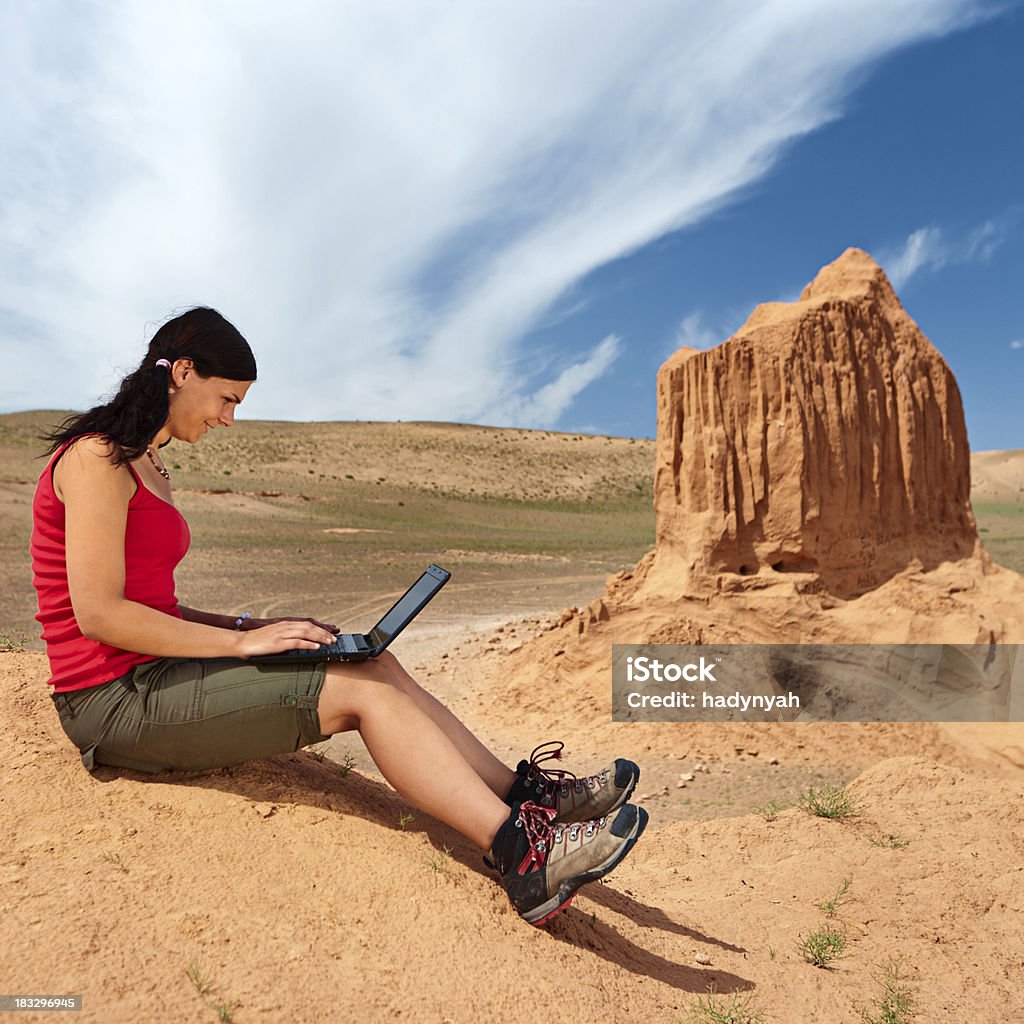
{"x": 407, "y": 606}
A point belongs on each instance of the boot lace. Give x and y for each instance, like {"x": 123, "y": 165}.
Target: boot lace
{"x": 544, "y": 834}
{"x": 557, "y": 778}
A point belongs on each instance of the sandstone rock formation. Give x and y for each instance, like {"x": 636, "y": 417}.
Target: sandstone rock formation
{"x": 826, "y": 437}
{"x": 812, "y": 486}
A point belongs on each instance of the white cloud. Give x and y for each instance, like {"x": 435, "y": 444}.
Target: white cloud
{"x": 923, "y": 248}
{"x": 1017, "y": 343}
{"x": 693, "y": 332}
{"x": 928, "y": 249}
{"x": 385, "y": 198}
{"x": 545, "y": 406}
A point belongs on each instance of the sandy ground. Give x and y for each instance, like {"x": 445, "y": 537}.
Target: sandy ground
{"x": 293, "y": 890}
{"x": 297, "y": 889}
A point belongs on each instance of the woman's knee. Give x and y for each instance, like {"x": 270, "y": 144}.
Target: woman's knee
{"x": 389, "y": 670}
{"x": 351, "y": 690}
{"x": 389, "y": 664}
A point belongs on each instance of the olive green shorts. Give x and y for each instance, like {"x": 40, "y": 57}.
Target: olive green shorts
{"x": 188, "y": 714}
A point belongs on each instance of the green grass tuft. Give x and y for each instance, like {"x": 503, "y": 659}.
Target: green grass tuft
{"x": 12, "y": 640}
{"x": 205, "y": 988}
{"x": 115, "y": 859}
{"x": 713, "y": 1009}
{"x": 442, "y": 863}
{"x": 834, "y": 802}
{"x": 820, "y": 948}
{"x": 831, "y": 907}
{"x": 896, "y": 1004}
{"x": 890, "y": 841}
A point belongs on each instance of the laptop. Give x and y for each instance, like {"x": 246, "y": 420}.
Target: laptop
{"x": 360, "y": 646}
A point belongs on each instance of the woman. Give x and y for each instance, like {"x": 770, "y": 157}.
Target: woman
{"x": 143, "y": 682}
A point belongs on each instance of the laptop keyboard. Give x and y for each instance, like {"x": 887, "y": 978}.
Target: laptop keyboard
{"x": 345, "y": 644}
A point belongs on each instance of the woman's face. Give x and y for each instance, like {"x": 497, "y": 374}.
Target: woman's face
{"x": 199, "y": 404}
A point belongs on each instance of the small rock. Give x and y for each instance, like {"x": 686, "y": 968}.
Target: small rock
{"x": 774, "y": 760}
{"x": 704, "y": 959}
{"x": 687, "y": 777}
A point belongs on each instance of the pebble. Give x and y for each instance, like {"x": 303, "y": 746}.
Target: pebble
{"x": 704, "y": 959}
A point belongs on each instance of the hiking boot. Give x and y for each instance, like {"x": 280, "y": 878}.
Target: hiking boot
{"x": 572, "y": 799}
{"x": 543, "y": 862}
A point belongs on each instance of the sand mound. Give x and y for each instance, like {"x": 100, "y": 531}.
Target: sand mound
{"x": 297, "y": 895}
{"x": 934, "y": 857}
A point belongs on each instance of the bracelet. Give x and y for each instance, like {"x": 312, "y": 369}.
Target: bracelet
{"x": 241, "y": 618}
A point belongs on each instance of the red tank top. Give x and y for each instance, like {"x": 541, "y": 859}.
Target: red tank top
{"x": 156, "y": 539}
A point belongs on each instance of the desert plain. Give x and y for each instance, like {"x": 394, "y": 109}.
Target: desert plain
{"x": 302, "y": 888}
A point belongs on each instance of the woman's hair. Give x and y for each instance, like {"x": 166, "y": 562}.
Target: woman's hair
{"x": 140, "y": 408}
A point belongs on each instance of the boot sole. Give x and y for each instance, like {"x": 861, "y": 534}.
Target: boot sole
{"x": 567, "y": 889}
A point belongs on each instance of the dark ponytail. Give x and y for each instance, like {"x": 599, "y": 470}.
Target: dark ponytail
{"x": 140, "y": 408}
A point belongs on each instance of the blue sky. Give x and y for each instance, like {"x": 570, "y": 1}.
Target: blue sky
{"x": 506, "y": 214}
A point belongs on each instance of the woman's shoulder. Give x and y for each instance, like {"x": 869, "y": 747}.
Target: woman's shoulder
{"x": 92, "y": 449}
{"x": 92, "y": 458}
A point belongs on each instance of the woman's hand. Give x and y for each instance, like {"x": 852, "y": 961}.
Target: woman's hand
{"x": 273, "y": 636}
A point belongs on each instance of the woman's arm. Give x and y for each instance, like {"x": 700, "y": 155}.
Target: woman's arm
{"x": 248, "y": 623}
{"x": 229, "y": 621}
{"x": 208, "y": 618}
{"x": 96, "y": 494}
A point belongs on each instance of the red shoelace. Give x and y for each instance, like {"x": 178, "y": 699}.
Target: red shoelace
{"x": 543, "y": 833}
{"x": 549, "y": 752}
{"x": 537, "y": 824}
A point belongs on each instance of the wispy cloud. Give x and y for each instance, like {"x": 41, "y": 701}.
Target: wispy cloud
{"x": 386, "y": 198}
{"x": 544, "y": 406}
{"x": 929, "y": 249}
{"x": 1017, "y": 343}
{"x": 923, "y": 248}
{"x": 693, "y": 333}
{"x": 699, "y": 330}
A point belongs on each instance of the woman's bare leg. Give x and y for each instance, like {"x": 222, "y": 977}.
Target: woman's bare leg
{"x": 497, "y": 775}
{"x": 422, "y": 749}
